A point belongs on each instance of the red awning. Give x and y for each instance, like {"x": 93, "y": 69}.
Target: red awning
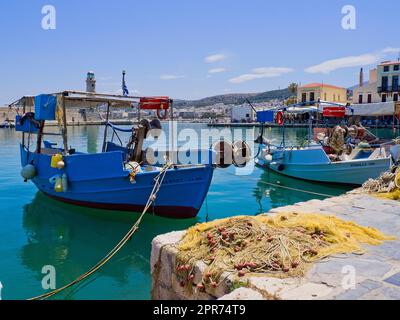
{"x": 154, "y": 103}
{"x": 334, "y": 112}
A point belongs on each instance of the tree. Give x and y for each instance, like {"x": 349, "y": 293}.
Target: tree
{"x": 292, "y": 88}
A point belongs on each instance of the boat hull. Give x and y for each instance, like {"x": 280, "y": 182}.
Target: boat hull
{"x": 354, "y": 172}
{"x": 178, "y": 212}
{"x": 109, "y": 186}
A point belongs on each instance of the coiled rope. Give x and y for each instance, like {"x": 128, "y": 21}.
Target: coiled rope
{"x": 158, "y": 180}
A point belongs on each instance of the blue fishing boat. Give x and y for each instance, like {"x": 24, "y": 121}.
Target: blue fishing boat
{"x": 118, "y": 178}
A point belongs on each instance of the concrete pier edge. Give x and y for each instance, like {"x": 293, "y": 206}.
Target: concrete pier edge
{"x": 376, "y": 273}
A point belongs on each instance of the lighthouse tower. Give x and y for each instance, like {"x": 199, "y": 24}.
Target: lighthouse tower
{"x": 90, "y": 82}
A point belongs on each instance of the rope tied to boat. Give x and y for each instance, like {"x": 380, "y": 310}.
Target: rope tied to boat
{"x": 158, "y": 180}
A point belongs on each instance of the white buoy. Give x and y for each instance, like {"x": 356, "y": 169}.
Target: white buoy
{"x": 1, "y": 287}
{"x": 60, "y": 165}
{"x": 28, "y": 172}
{"x": 268, "y": 157}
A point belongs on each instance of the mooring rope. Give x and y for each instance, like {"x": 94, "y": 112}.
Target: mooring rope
{"x": 298, "y": 190}
{"x": 158, "y": 182}
{"x": 285, "y": 187}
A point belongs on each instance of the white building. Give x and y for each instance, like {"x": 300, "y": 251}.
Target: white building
{"x": 242, "y": 113}
{"x": 367, "y": 92}
{"x": 388, "y": 81}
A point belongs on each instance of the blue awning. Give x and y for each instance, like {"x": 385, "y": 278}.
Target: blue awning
{"x": 265, "y": 116}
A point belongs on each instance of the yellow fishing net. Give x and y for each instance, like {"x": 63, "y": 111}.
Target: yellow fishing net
{"x": 394, "y": 195}
{"x": 282, "y": 245}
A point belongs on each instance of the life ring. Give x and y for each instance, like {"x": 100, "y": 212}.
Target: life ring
{"x": 279, "y": 118}
{"x": 162, "y": 116}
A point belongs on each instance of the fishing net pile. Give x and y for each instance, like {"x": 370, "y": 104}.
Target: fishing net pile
{"x": 336, "y": 140}
{"x": 386, "y": 186}
{"x": 282, "y": 245}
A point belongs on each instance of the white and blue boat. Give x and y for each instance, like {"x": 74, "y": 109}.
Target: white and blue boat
{"x": 311, "y": 161}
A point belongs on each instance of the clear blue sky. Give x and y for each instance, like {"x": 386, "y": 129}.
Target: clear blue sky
{"x": 258, "y": 45}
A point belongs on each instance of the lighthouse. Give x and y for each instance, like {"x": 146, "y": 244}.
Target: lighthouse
{"x": 90, "y": 82}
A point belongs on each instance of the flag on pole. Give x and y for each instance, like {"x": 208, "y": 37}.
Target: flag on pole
{"x": 125, "y": 90}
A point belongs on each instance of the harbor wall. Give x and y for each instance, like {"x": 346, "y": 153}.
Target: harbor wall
{"x": 375, "y": 271}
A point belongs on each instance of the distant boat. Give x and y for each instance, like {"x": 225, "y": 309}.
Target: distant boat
{"x": 313, "y": 161}
{"x": 7, "y": 124}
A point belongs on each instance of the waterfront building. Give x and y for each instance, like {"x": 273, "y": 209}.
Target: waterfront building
{"x": 388, "y": 75}
{"x": 242, "y": 113}
{"x": 321, "y": 91}
{"x": 366, "y": 92}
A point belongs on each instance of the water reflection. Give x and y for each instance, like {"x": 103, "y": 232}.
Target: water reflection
{"x": 300, "y": 190}
{"x": 92, "y": 133}
{"x": 73, "y": 239}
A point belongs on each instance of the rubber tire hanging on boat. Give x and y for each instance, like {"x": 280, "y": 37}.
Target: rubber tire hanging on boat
{"x": 241, "y": 153}
{"x": 145, "y": 123}
{"x": 223, "y": 154}
{"x": 155, "y": 128}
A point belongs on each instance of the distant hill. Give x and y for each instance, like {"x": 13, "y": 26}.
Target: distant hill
{"x": 234, "y": 98}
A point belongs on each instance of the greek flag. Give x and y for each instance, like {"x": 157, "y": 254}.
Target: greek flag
{"x": 125, "y": 90}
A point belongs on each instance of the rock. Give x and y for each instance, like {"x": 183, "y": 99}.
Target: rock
{"x": 243, "y": 294}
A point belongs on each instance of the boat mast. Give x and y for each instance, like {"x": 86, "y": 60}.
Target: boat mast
{"x": 310, "y": 120}
{"x": 106, "y": 127}
{"x": 64, "y": 128}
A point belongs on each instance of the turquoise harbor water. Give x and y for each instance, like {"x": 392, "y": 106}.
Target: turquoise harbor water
{"x": 36, "y": 231}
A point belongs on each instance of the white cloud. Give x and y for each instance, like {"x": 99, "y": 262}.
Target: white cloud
{"x": 346, "y": 62}
{"x": 170, "y": 77}
{"x": 260, "y": 73}
{"x": 217, "y": 70}
{"x": 391, "y": 50}
{"x": 351, "y": 61}
{"x": 215, "y": 58}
